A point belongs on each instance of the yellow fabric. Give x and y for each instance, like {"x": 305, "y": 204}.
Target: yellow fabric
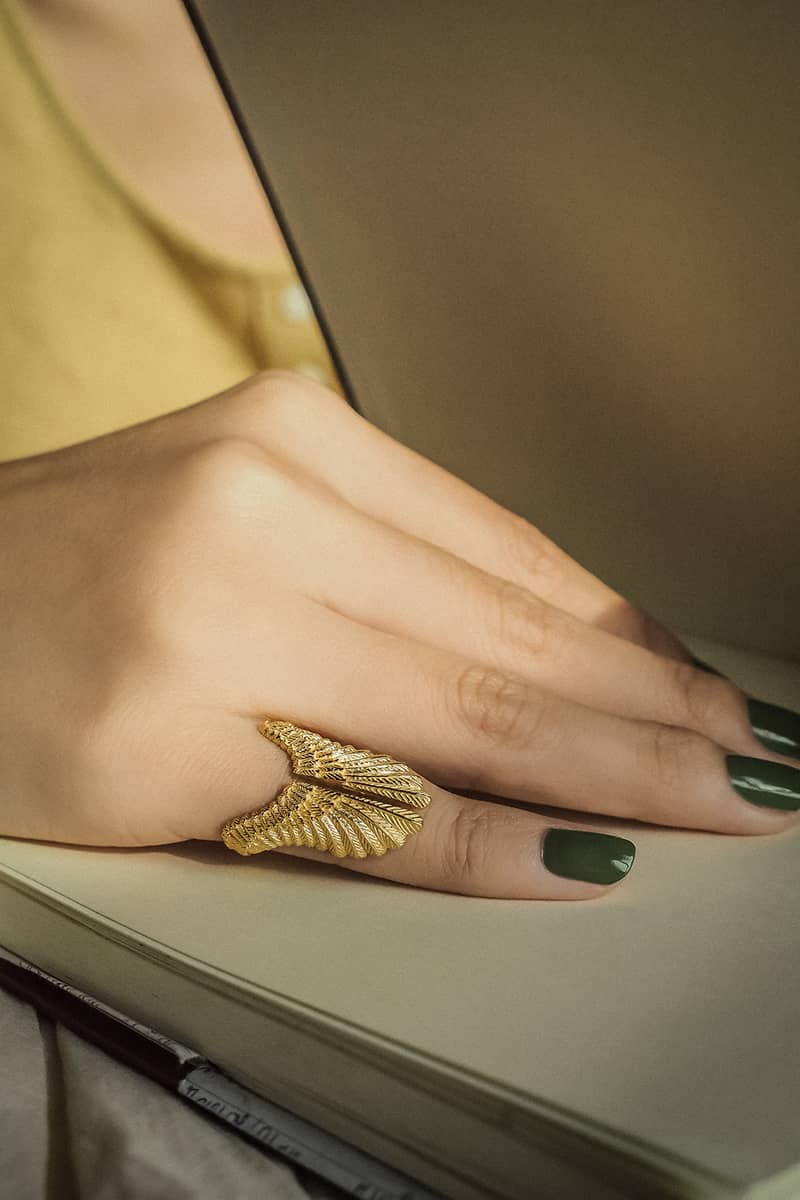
{"x": 109, "y": 313}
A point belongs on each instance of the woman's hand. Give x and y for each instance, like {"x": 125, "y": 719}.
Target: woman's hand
{"x": 267, "y": 552}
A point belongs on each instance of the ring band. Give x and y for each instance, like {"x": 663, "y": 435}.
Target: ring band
{"x": 347, "y": 801}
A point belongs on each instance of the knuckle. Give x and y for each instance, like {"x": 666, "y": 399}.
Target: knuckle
{"x": 290, "y": 396}
{"x": 707, "y": 703}
{"x": 274, "y": 398}
{"x": 695, "y": 696}
{"x": 224, "y": 483}
{"x": 466, "y": 845}
{"x": 671, "y": 761}
{"x": 533, "y": 557}
{"x": 519, "y": 620}
{"x": 214, "y": 466}
{"x": 492, "y": 705}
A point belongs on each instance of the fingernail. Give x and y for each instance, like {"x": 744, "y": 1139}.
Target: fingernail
{"x": 581, "y": 854}
{"x": 768, "y": 784}
{"x": 704, "y": 666}
{"x": 777, "y": 728}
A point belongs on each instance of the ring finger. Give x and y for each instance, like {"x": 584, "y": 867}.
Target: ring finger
{"x": 477, "y": 848}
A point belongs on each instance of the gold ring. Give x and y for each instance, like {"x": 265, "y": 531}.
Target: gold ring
{"x": 349, "y": 802}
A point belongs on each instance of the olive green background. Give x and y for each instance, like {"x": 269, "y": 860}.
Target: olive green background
{"x": 557, "y": 249}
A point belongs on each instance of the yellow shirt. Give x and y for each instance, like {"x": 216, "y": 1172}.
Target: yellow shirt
{"x": 109, "y": 313}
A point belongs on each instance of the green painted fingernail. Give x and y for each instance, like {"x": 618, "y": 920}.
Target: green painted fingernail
{"x": 768, "y": 784}
{"x": 582, "y": 854}
{"x": 777, "y": 728}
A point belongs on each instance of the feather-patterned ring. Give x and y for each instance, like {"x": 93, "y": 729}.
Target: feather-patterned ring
{"x": 343, "y": 800}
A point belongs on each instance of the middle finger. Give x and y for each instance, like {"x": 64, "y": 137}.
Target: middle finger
{"x": 401, "y": 584}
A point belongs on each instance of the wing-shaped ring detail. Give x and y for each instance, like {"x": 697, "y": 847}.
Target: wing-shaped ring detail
{"x": 316, "y": 757}
{"x": 347, "y": 801}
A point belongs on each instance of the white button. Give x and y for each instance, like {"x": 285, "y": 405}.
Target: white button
{"x": 294, "y": 303}
{"x": 312, "y": 371}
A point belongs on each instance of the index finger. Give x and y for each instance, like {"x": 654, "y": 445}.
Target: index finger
{"x": 321, "y": 434}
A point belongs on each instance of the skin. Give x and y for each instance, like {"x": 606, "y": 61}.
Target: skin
{"x": 268, "y": 552}
{"x": 136, "y": 78}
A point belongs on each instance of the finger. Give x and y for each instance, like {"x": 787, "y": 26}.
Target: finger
{"x": 465, "y": 845}
{"x": 402, "y": 488}
{"x": 404, "y": 585}
{"x": 477, "y": 848}
{"x": 469, "y": 727}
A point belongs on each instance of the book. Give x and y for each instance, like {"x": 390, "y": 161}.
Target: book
{"x": 643, "y": 1045}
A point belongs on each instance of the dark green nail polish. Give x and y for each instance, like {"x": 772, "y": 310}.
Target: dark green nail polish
{"x": 769, "y": 784}
{"x": 704, "y": 666}
{"x": 581, "y": 854}
{"x": 777, "y": 728}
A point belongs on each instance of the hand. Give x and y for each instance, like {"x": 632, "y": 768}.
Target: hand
{"x": 267, "y": 552}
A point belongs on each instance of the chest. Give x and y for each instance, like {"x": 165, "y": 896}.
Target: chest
{"x": 137, "y": 82}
